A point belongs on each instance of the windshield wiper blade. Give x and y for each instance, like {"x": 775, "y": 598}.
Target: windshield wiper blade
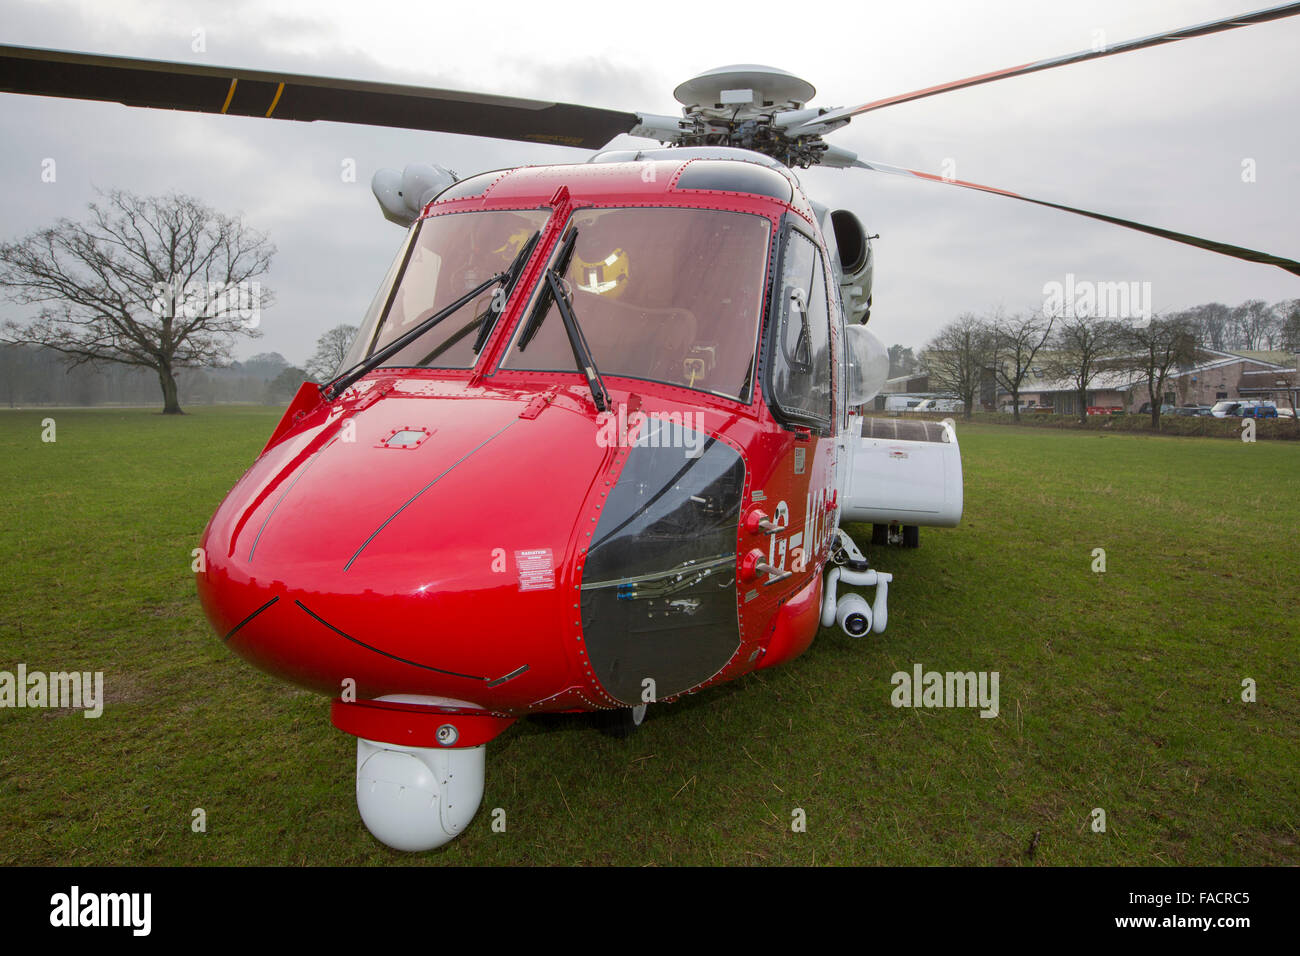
{"x": 543, "y": 305}
{"x": 489, "y": 318}
{"x": 553, "y": 291}
{"x": 581, "y": 351}
{"x": 333, "y": 389}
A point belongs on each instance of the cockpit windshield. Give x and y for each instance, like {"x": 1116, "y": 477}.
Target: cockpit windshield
{"x": 668, "y": 294}
{"x": 449, "y": 256}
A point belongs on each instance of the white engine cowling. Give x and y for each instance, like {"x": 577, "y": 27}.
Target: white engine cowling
{"x": 403, "y": 195}
{"x": 856, "y": 265}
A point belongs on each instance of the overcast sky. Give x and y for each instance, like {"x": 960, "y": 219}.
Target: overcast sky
{"x": 1158, "y": 135}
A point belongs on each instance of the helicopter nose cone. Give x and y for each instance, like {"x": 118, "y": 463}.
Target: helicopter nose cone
{"x": 416, "y": 545}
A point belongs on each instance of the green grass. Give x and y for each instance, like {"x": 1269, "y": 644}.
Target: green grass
{"x": 1118, "y": 690}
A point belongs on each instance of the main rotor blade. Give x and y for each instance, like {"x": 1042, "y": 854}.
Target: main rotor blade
{"x": 239, "y": 92}
{"x": 1223, "y": 248}
{"x": 1156, "y": 39}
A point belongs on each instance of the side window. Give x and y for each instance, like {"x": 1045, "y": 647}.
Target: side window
{"x": 801, "y": 351}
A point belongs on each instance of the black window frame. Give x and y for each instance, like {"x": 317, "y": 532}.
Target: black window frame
{"x": 793, "y": 419}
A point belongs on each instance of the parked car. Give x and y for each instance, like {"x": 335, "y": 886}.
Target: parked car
{"x": 1225, "y": 408}
{"x": 1258, "y": 410}
{"x": 901, "y": 403}
{"x": 1192, "y": 410}
{"x": 1164, "y": 409}
{"x": 939, "y": 405}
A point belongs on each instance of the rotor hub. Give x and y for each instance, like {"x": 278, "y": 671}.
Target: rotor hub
{"x": 735, "y": 105}
{"x": 744, "y": 85}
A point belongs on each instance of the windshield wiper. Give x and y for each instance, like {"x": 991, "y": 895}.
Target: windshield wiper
{"x": 489, "y": 318}
{"x": 553, "y": 291}
{"x": 486, "y": 320}
{"x": 578, "y": 342}
{"x": 333, "y": 389}
{"x": 543, "y": 305}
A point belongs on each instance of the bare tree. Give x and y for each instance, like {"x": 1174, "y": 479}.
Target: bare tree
{"x": 1289, "y": 380}
{"x": 902, "y": 361}
{"x": 1156, "y": 350}
{"x": 957, "y": 357}
{"x": 331, "y": 350}
{"x": 1290, "y": 314}
{"x": 1016, "y": 340}
{"x": 162, "y": 282}
{"x": 1274, "y": 334}
{"x": 1253, "y": 320}
{"x": 1214, "y": 325}
{"x": 1082, "y": 346}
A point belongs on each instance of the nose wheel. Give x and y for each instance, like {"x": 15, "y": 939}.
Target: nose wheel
{"x": 418, "y": 798}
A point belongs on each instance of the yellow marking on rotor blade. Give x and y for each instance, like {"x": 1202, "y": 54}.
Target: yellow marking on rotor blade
{"x": 231, "y": 95}
{"x": 279, "y": 89}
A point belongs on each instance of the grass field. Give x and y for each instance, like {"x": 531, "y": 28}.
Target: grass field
{"x": 1119, "y": 691}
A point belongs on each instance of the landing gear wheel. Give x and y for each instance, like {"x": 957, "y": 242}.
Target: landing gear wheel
{"x": 879, "y": 535}
{"x": 621, "y": 723}
{"x": 911, "y": 536}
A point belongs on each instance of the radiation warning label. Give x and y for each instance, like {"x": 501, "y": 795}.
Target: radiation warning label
{"x": 536, "y": 569}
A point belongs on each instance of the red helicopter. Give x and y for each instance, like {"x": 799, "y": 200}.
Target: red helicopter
{"x": 596, "y": 438}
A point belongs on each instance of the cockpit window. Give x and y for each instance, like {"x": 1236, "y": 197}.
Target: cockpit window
{"x": 668, "y": 294}
{"x": 360, "y": 347}
{"x": 800, "y": 367}
{"x": 451, "y": 255}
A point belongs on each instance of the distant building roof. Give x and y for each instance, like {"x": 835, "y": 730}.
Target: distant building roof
{"x": 1273, "y": 357}
{"x": 1120, "y": 380}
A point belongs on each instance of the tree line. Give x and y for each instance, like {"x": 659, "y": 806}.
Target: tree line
{"x": 1253, "y": 325}
{"x": 999, "y": 351}
{"x": 36, "y": 375}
